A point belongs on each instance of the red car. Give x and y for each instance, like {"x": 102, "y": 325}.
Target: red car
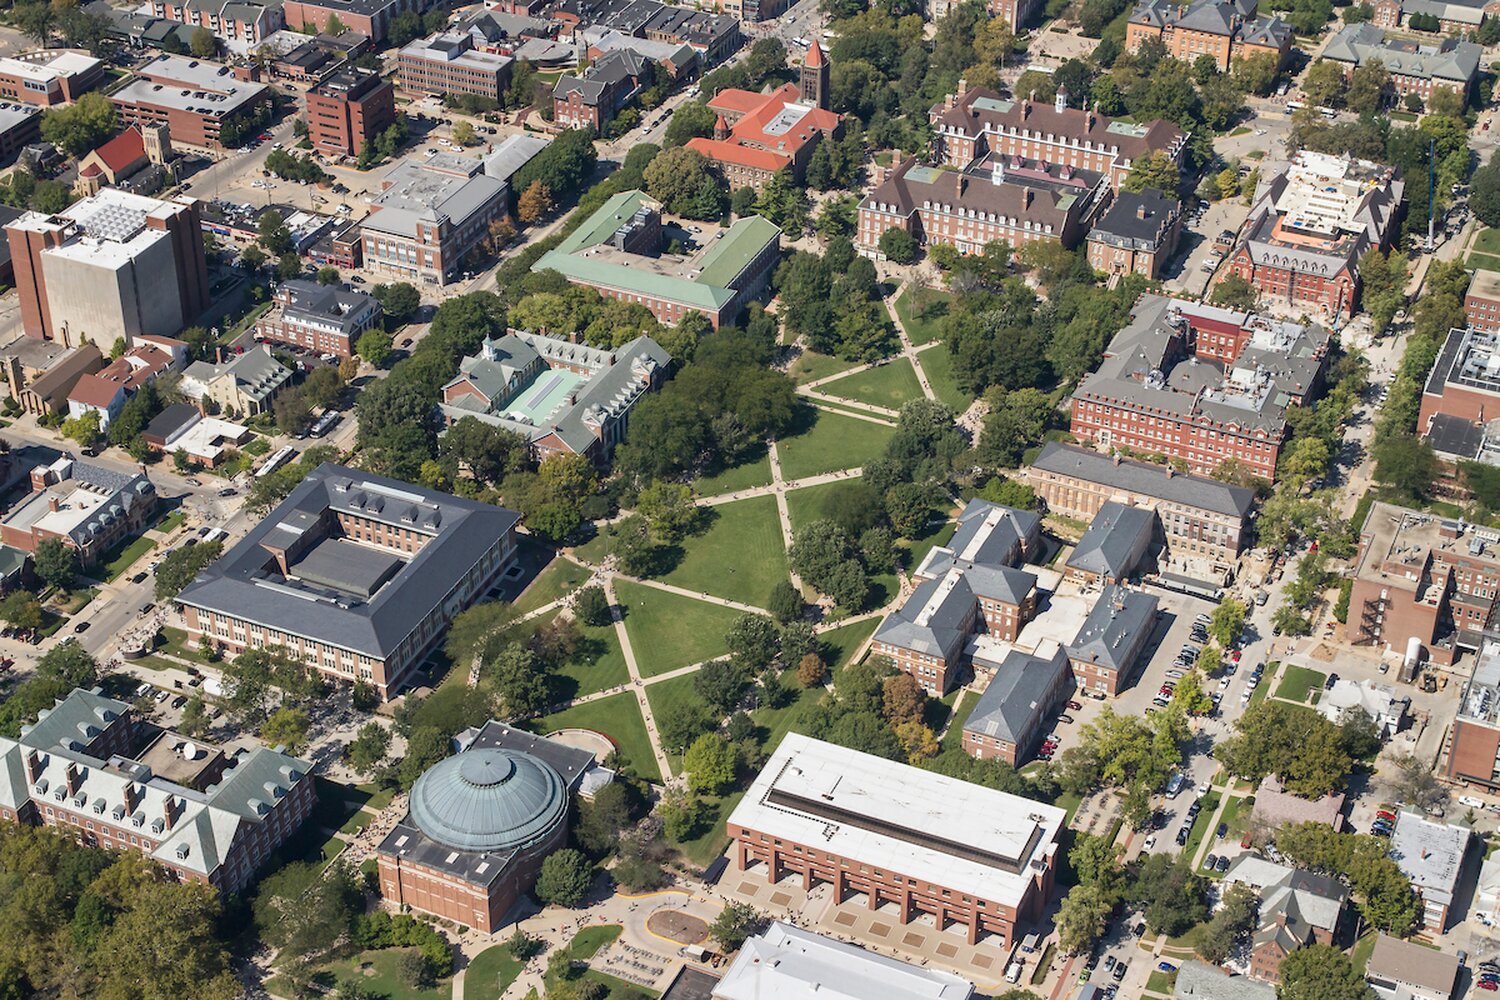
{"x": 1234, "y": 655}
{"x": 1487, "y": 984}
{"x": 1386, "y": 814}
{"x": 1075, "y": 706}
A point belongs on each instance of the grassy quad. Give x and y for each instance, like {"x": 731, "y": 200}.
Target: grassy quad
{"x": 619, "y": 718}
{"x": 833, "y": 442}
{"x": 889, "y": 385}
{"x": 921, "y": 311}
{"x": 668, "y": 631}
{"x": 490, "y": 974}
{"x": 598, "y": 665}
{"x": 811, "y": 366}
{"x": 1299, "y": 682}
{"x": 740, "y": 557}
{"x": 561, "y": 577}
{"x": 811, "y": 503}
{"x": 745, "y": 476}
{"x": 938, "y": 364}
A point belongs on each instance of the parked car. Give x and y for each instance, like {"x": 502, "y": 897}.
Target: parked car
{"x": 1166, "y": 967}
{"x": 1066, "y": 720}
{"x": 1471, "y": 801}
{"x": 1075, "y": 706}
{"x": 82, "y": 626}
{"x": 1149, "y": 843}
{"x": 1210, "y": 861}
{"x": 1330, "y": 682}
{"x": 1223, "y": 865}
{"x": 1182, "y": 835}
{"x": 1109, "y": 963}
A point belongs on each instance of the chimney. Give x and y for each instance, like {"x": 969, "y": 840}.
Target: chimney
{"x": 54, "y": 504}
{"x": 963, "y": 86}
{"x": 997, "y": 172}
{"x": 75, "y": 778}
{"x": 134, "y": 793}
{"x": 1116, "y": 458}
{"x": 1026, "y": 203}
{"x": 1140, "y": 211}
{"x": 169, "y": 811}
{"x": 1025, "y": 108}
{"x": 33, "y": 767}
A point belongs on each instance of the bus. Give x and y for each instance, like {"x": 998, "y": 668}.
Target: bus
{"x": 1293, "y": 106}
{"x": 275, "y": 461}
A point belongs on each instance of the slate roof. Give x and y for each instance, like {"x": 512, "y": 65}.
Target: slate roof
{"x": 1199, "y": 981}
{"x": 1122, "y": 225}
{"x": 256, "y": 373}
{"x": 934, "y": 620}
{"x": 1118, "y": 624}
{"x": 1045, "y": 194}
{"x": 1451, "y": 60}
{"x": 1015, "y": 697}
{"x": 243, "y": 584}
{"x": 1145, "y": 479}
{"x": 343, "y": 309}
{"x": 1114, "y": 543}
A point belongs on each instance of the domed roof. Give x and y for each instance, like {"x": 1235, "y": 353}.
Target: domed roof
{"x": 489, "y": 800}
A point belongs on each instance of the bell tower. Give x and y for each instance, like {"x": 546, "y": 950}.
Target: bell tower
{"x": 815, "y": 77}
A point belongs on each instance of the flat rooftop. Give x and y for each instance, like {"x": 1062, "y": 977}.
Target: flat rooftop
{"x": 1430, "y": 854}
{"x": 1469, "y": 358}
{"x": 1484, "y": 284}
{"x": 348, "y": 566}
{"x": 902, "y": 819}
{"x": 788, "y": 963}
{"x": 179, "y": 759}
{"x": 52, "y": 66}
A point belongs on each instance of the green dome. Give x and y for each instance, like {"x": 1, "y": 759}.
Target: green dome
{"x": 489, "y": 800}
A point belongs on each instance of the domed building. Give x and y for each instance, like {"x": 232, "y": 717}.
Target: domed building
{"x": 479, "y": 825}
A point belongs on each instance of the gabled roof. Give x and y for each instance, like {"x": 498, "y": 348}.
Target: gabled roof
{"x": 1112, "y": 634}
{"x": 123, "y": 150}
{"x": 1115, "y": 541}
{"x": 1015, "y": 696}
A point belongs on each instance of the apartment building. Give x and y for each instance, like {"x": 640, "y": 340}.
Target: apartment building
{"x": 355, "y": 575}
{"x": 450, "y": 64}
{"x": 1310, "y": 223}
{"x": 429, "y": 215}
{"x": 1431, "y": 856}
{"x": 1017, "y": 705}
{"x": 1137, "y": 234}
{"x": 975, "y": 122}
{"x": 1110, "y": 645}
{"x": 87, "y": 507}
{"x": 1226, "y": 30}
{"x": 324, "y": 319}
{"x": 618, "y": 252}
{"x": 89, "y": 766}
{"x": 242, "y": 25}
{"x": 591, "y": 99}
{"x": 371, "y": 18}
{"x": 348, "y": 109}
{"x": 1200, "y": 384}
{"x": 969, "y": 856}
{"x": 195, "y": 99}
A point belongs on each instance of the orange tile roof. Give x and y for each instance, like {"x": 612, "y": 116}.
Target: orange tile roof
{"x": 742, "y": 101}
{"x": 749, "y": 143}
{"x": 722, "y": 151}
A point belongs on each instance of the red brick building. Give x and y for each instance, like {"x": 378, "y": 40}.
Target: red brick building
{"x": 368, "y": 17}
{"x": 1024, "y": 692}
{"x": 195, "y": 99}
{"x": 882, "y": 833}
{"x": 323, "y": 319}
{"x": 49, "y": 77}
{"x": 1482, "y": 301}
{"x": 975, "y": 121}
{"x": 450, "y": 64}
{"x": 90, "y": 767}
{"x": 348, "y": 109}
{"x": 1137, "y": 234}
{"x": 1309, "y": 226}
{"x": 1149, "y": 394}
{"x": 1414, "y": 67}
{"x": 1226, "y": 30}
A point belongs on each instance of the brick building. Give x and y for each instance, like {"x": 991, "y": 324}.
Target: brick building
{"x": 1205, "y": 522}
{"x": 1194, "y": 382}
{"x": 1109, "y": 646}
{"x": 1119, "y": 545}
{"x": 324, "y": 319}
{"x": 20, "y": 126}
{"x": 353, "y": 574}
{"x": 450, "y": 64}
{"x": 89, "y": 508}
{"x": 88, "y": 765}
{"x": 195, "y": 99}
{"x": 1474, "y": 746}
{"x": 1454, "y": 16}
{"x": 618, "y": 253}
{"x": 1017, "y": 14}
{"x": 1461, "y": 400}
{"x": 1297, "y": 909}
{"x": 371, "y": 18}
{"x": 562, "y": 397}
{"x": 1226, "y": 30}
{"x": 995, "y": 198}
{"x": 1308, "y": 227}
{"x": 241, "y": 25}
{"x": 479, "y": 825}
{"x": 1482, "y": 301}
{"x": 974, "y": 122}
{"x": 110, "y": 266}
{"x": 1137, "y": 234}
{"x": 1431, "y": 856}
{"x": 883, "y": 832}
{"x": 429, "y": 215}
{"x": 1425, "y": 579}
{"x": 49, "y": 77}
{"x": 591, "y": 100}
{"x": 968, "y": 587}
{"x": 758, "y": 134}
{"x": 1017, "y": 705}
{"x": 347, "y": 109}
{"x": 1414, "y": 68}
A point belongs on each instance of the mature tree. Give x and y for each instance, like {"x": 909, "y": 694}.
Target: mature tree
{"x": 1081, "y": 917}
{"x": 1230, "y": 924}
{"x": 902, "y": 699}
{"x": 735, "y": 923}
{"x": 534, "y": 203}
{"x": 520, "y": 679}
{"x": 1321, "y": 972}
{"x": 1411, "y": 780}
{"x": 785, "y": 603}
{"x": 82, "y": 126}
{"x": 68, "y": 663}
{"x": 753, "y": 641}
{"x": 898, "y": 246}
{"x": 55, "y": 563}
{"x": 710, "y": 763}
{"x": 684, "y": 182}
{"x": 1234, "y": 292}
{"x": 811, "y": 670}
{"x": 286, "y": 727}
{"x": 399, "y": 299}
{"x": 1227, "y": 621}
{"x": 694, "y": 119}
{"x": 1406, "y": 463}
{"x": 682, "y": 813}
{"x": 592, "y": 606}
{"x": 565, "y": 878}
{"x": 670, "y": 509}
{"x": 721, "y": 683}
{"x": 369, "y": 747}
{"x": 682, "y": 723}
{"x": 1366, "y": 89}
{"x": 1305, "y": 750}
{"x": 21, "y": 609}
{"x": 203, "y": 44}
{"x": 83, "y": 429}
{"x": 1189, "y": 695}
{"x": 1154, "y": 170}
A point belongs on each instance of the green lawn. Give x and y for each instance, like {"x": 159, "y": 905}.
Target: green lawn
{"x": 1483, "y": 261}
{"x": 618, "y": 988}
{"x": 175, "y": 642}
{"x": 1161, "y": 982}
{"x": 561, "y": 577}
{"x": 1487, "y": 241}
{"x": 1298, "y": 682}
{"x": 122, "y": 559}
{"x": 889, "y": 385}
{"x": 917, "y": 550}
{"x": 1264, "y": 687}
{"x": 617, "y": 717}
{"x": 1232, "y": 810}
{"x": 741, "y": 556}
{"x": 746, "y": 475}
{"x": 490, "y": 974}
{"x": 810, "y": 504}
{"x": 840, "y": 644}
{"x": 938, "y": 364}
{"x": 1360, "y": 954}
{"x": 171, "y": 522}
{"x": 811, "y": 366}
{"x": 594, "y": 550}
{"x": 591, "y": 940}
{"x": 667, "y": 631}
{"x": 833, "y": 442}
{"x": 954, "y": 737}
{"x": 599, "y": 664}
{"x": 1201, "y": 826}
{"x": 922, "y": 326}
{"x": 385, "y": 980}
{"x": 665, "y": 696}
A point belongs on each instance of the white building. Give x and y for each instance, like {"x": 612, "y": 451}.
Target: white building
{"x": 1379, "y": 701}
{"x": 788, "y": 963}
{"x": 1431, "y": 856}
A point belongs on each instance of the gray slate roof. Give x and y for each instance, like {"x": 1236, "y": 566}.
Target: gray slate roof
{"x": 1111, "y": 636}
{"x": 1014, "y": 698}
{"x": 325, "y": 305}
{"x": 1197, "y": 981}
{"x": 1451, "y": 61}
{"x": 1115, "y": 542}
{"x": 1123, "y": 225}
{"x": 933, "y": 619}
{"x": 241, "y": 585}
{"x": 1145, "y": 479}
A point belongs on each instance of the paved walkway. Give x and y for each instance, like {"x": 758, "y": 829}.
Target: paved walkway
{"x": 788, "y": 485}
{"x": 783, "y": 514}
{"x": 637, "y": 682}
{"x": 908, "y": 349}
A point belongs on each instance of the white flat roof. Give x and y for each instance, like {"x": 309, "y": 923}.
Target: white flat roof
{"x": 1429, "y": 854}
{"x": 788, "y": 963}
{"x": 902, "y": 818}
{"x": 60, "y": 64}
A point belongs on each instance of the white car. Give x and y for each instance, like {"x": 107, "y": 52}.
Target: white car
{"x": 1471, "y": 802}
{"x": 1150, "y": 843}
